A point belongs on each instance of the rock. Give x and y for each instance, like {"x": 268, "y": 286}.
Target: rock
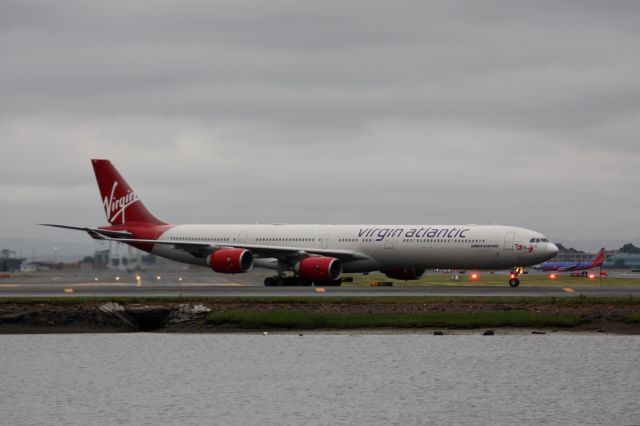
{"x": 186, "y": 308}
{"x": 19, "y": 316}
{"x": 538, "y": 332}
{"x": 488, "y": 333}
{"x": 177, "y": 317}
{"x": 111, "y": 307}
{"x": 438, "y": 333}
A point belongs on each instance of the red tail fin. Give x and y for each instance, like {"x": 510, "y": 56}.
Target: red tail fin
{"x": 120, "y": 202}
{"x": 598, "y": 259}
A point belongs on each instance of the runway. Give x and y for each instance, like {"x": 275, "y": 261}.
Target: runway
{"x": 226, "y": 290}
{"x": 175, "y": 282}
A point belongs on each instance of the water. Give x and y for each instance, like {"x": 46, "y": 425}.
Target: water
{"x": 169, "y": 379}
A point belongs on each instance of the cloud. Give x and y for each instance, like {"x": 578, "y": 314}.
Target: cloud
{"x": 510, "y": 112}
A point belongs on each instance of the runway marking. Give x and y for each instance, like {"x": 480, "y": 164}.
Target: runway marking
{"x": 68, "y": 290}
{"x": 320, "y": 290}
{"x": 9, "y": 285}
{"x": 102, "y": 284}
{"x": 215, "y": 284}
{"x": 568, "y": 290}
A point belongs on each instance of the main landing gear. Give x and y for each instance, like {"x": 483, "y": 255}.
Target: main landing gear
{"x": 295, "y": 280}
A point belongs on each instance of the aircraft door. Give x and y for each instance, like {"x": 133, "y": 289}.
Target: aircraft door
{"x": 242, "y": 237}
{"x": 388, "y": 242}
{"x": 325, "y": 240}
{"x": 508, "y": 240}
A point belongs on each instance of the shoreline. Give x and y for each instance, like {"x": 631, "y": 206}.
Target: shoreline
{"x": 249, "y": 315}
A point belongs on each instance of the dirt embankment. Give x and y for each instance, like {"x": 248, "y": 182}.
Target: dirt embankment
{"x": 97, "y": 317}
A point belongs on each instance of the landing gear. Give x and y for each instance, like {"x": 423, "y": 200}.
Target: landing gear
{"x": 271, "y": 281}
{"x": 513, "y": 277}
{"x": 278, "y": 280}
{"x": 332, "y": 283}
{"x": 295, "y": 280}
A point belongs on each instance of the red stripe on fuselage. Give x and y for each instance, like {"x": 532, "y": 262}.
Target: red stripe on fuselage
{"x": 141, "y": 231}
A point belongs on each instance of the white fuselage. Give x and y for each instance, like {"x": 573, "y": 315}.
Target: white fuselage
{"x": 481, "y": 247}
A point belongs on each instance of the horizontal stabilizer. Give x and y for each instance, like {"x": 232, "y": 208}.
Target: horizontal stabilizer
{"x": 95, "y": 233}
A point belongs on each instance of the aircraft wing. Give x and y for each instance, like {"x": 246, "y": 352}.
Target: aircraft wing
{"x": 262, "y": 251}
{"x": 199, "y": 249}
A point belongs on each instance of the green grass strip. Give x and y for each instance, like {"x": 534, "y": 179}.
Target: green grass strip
{"x": 632, "y": 318}
{"x": 315, "y": 320}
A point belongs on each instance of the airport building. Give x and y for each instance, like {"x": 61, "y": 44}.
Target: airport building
{"x": 623, "y": 261}
{"x": 114, "y": 258}
{"x": 568, "y": 256}
{"x": 8, "y": 261}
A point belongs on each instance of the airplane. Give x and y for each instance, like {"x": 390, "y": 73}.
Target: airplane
{"x": 313, "y": 254}
{"x": 595, "y": 262}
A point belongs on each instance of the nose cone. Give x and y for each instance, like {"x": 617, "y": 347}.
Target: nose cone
{"x": 552, "y": 249}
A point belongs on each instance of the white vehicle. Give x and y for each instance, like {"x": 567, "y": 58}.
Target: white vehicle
{"x": 306, "y": 254}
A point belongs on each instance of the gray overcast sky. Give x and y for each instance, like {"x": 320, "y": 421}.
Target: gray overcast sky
{"x": 522, "y": 113}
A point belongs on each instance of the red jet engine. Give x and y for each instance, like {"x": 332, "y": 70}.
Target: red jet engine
{"x": 231, "y": 261}
{"x": 319, "y": 268}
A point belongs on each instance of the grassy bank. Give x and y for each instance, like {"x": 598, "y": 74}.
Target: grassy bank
{"x": 314, "y": 320}
{"x": 633, "y": 318}
{"x": 84, "y": 314}
{"x": 344, "y": 300}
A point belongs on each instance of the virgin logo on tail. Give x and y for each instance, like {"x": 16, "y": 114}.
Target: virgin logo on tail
{"x": 117, "y": 207}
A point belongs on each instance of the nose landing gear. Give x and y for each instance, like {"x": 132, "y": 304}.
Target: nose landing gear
{"x": 513, "y": 277}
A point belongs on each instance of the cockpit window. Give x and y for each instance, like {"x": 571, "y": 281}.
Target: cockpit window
{"x": 538, "y": 240}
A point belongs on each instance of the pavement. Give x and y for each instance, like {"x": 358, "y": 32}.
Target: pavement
{"x": 226, "y": 290}
{"x": 204, "y": 283}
